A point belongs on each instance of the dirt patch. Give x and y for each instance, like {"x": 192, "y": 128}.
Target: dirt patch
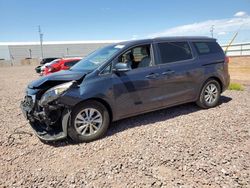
{"x": 239, "y": 69}
{"x": 182, "y": 146}
{"x": 30, "y": 62}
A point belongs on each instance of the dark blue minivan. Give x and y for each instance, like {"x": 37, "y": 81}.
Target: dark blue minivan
{"x": 123, "y": 80}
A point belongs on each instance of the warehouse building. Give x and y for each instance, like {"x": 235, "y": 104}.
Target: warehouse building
{"x": 18, "y": 51}
{"x": 237, "y": 49}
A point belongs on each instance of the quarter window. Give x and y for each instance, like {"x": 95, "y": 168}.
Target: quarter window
{"x": 174, "y": 51}
{"x": 107, "y": 70}
{"x": 204, "y": 48}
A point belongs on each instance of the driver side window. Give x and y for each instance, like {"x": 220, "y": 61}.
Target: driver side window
{"x": 137, "y": 57}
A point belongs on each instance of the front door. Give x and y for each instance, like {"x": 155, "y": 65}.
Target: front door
{"x": 136, "y": 90}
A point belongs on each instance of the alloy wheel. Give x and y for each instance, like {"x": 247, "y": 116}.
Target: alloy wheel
{"x": 211, "y": 93}
{"x": 88, "y": 121}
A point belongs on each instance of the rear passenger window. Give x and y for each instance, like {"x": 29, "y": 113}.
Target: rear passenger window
{"x": 174, "y": 51}
{"x": 204, "y": 48}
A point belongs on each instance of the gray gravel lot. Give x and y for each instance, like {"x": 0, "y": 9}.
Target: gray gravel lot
{"x": 182, "y": 146}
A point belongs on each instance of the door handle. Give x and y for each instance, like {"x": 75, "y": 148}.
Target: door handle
{"x": 153, "y": 76}
{"x": 168, "y": 72}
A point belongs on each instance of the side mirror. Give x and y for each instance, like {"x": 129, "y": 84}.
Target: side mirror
{"x": 121, "y": 67}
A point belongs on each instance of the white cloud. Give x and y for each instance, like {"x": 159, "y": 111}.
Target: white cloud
{"x": 221, "y": 26}
{"x": 240, "y": 14}
{"x": 222, "y": 33}
{"x": 134, "y": 37}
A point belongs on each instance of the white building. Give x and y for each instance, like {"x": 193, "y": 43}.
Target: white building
{"x": 238, "y": 49}
{"x": 17, "y": 51}
{"x": 21, "y": 50}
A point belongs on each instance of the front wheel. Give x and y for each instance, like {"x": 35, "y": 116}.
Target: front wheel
{"x": 210, "y": 94}
{"x": 89, "y": 121}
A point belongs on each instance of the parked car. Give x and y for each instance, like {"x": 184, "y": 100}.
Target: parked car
{"x": 44, "y": 61}
{"x": 46, "y": 65}
{"x": 47, "y": 60}
{"x": 60, "y": 64}
{"x": 124, "y": 80}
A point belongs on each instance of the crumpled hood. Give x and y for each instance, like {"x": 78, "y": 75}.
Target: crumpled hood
{"x": 61, "y": 76}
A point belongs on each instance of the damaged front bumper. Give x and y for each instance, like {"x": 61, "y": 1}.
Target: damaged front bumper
{"x": 50, "y": 122}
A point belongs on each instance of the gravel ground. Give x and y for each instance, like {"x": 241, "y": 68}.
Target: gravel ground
{"x": 182, "y": 146}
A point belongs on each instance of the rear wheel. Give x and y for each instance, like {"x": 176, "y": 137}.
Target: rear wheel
{"x": 210, "y": 94}
{"x": 89, "y": 121}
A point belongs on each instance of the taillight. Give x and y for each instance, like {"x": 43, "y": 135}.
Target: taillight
{"x": 226, "y": 59}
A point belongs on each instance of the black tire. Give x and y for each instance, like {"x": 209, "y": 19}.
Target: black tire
{"x": 75, "y": 135}
{"x": 202, "y": 101}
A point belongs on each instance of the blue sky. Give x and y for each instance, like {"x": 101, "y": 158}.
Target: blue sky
{"x": 70, "y": 20}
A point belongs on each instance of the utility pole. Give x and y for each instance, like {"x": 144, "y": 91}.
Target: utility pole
{"x": 41, "y": 39}
{"x": 212, "y": 31}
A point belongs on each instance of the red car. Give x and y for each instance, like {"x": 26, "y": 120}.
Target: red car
{"x": 60, "y": 64}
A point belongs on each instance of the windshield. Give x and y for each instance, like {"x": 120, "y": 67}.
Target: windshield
{"x": 97, "y": 58}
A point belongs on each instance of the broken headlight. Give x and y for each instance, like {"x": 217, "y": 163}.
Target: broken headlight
{"x": 54, "y": 93}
